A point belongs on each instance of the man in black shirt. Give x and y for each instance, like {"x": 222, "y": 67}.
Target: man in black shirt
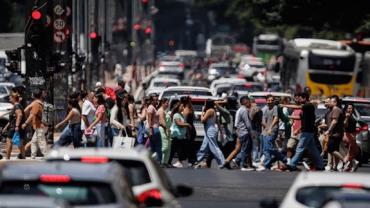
{"x": 306, "y": 139}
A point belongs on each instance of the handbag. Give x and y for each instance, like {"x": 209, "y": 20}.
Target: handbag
{"x": 89, "y": 136}
{"x": 16, "y": 139}
{"x": 123, "y": 142}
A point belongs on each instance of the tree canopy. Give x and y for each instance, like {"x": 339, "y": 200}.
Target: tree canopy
{"x": 323, "y": 18}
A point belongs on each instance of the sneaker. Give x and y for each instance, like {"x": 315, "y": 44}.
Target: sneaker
{"x": 306, "y": 166}
{"x": 347, "y": 166}
{"x": 256, "y": 164}
{"x": 248, "y": 169}
{"x": 328, "y": 168}
{"x": 178, "y": 164}
{"x": 261, "y": 168}
{"x": 340, "y": 166}
{"x": 234, "y": 163}
{"x": 226, "y": 165}
{"x": 355, "y": 165}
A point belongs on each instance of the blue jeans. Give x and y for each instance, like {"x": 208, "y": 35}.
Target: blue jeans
{"x": 100, "y": 138}
{"x": 70, "y": 134}
{"x": 210, "y": 144}
{"x": 156, "y": 144}
{"x": 269, "y": 150}
{"x": 257, "y": 146}
{"x": 307, "y": 140}
{"x": 245, "y": 148}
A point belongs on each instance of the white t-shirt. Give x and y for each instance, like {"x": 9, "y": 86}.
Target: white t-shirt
{"x": 88, "y": 109}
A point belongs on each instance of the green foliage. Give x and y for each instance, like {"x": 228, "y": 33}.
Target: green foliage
{"x": 317, "y": 18}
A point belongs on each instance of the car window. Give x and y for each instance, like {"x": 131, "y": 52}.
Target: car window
{"x": 184, "y": 92}
{"x": 3, "y": 90}
{"x": 363, "y": 109}
{"x": 76, "y": 193}
{"x": 137, "y": 172}
{"x": 315, "y": 196}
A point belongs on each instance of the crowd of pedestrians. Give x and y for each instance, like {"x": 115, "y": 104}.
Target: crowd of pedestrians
{"x": 276, "y": 136}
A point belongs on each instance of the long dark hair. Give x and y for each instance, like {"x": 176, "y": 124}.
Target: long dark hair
{"x": 100, "y": 97}
{"x": 164, "y": 100}
{"x": 119, "y": 106}
{"x": 74, "y": 104}
{"x": 176, "y": 109}
{"x": 210, "y": 104}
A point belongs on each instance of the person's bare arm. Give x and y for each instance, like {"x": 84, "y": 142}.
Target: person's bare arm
{"x": 99, "y": 117}
{"x": 291, "y": 106}
{"x": 162, "y": 119}
{"x": 66, "y": 119}
{"x": 181, "y": 123}
{"x": 206, "y": 115}
{"x": 331, "y": 126}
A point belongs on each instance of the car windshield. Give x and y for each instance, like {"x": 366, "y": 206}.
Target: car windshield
{"x": 165, "y": 84}
{"x": 363, "y": 108}
{"x": 186, "y": 92}
{"x": 78, "y": 193}
{"x": 222, "y": 71}
{"x": 315, "y": 196}
{"x": 221, "y": 90}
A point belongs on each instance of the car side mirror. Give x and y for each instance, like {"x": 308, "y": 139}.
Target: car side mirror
{"x": 183, "y": 191}
{"x": 269, "y": 203}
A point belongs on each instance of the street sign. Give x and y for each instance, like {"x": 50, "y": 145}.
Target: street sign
{"x": 59, "y": 36}
{"x": 58, "y": 10}
{"x": 59, "y": 24}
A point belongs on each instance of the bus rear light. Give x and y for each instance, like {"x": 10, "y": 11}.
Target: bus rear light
{"x": 55, "y": 178}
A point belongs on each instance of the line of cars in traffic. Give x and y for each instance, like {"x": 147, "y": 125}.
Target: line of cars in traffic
{"x": 90, "y": 178}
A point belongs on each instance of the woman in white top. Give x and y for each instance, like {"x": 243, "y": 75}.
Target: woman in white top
{"x": 118, "y": 115}
{"x": 72, "y": 133}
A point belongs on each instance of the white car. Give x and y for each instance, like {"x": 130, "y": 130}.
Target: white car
{"x": 246, "y": 88}
{"x": 220, "y": 81}
{"x": 146, "y": 177}
{"x": 157, "y": 85}
{"x": 185, "y": 90}
{"x": 252, "y": 69}
{"x": 221, "y": 89}
{"x": 174, "y": 67}
{"x": 311, "y": 189}
{"x": 218, "y": 70}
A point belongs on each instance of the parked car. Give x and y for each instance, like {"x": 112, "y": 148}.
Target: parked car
{"x": 82, "y": 185}
{"x": 146, "y": 177}
{"x": 223, "y": 80}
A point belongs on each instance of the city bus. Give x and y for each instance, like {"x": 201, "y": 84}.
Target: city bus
{"x": 327, "y": 67}
{"x": 266, "y": 46}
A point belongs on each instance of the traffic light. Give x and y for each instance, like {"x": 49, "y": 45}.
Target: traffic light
{"x": 14, "y": 60}
{"x": 145, "y": 4}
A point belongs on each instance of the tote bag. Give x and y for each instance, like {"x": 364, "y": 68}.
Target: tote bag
{"x": 123, "y": 142}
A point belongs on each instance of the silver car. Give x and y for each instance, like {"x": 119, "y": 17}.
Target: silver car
{"x": 146, "y": 177}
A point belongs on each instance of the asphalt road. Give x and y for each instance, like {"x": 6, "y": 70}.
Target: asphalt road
{"x": 215, "y": 188}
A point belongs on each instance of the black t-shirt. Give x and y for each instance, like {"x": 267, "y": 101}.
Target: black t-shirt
{"x": 13, "y": 116}
{"x": 351, "y": 128}
{"x": 308, "y": 118}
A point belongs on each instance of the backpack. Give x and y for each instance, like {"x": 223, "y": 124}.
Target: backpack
{"x": 47, "y": 114}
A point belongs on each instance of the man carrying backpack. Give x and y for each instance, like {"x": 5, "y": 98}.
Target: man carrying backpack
{"x": 35, "y": 118}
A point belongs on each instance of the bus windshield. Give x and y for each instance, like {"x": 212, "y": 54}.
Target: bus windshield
{"x": 345, "y": 64}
